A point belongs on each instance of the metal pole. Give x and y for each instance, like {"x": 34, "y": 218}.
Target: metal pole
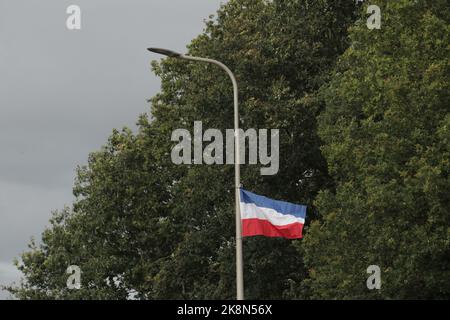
{"x": 237, "y": 175}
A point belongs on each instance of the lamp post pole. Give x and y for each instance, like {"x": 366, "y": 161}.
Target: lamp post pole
{"x": 237, "y": 172}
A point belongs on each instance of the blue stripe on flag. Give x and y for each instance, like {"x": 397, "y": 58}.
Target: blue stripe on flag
{"x": 279, "y": 206}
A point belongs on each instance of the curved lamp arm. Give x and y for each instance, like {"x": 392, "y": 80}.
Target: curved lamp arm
{"x": 239, "y": 258}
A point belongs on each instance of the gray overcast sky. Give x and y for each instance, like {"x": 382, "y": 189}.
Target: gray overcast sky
{"x": 62, "y": 92}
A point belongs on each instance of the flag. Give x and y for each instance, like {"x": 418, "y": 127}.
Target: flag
{"x": 270, "y": 218}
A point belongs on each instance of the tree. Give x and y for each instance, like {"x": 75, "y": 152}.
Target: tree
{"x": 385, "y": 128}
{"x": 145, "y": 227}
{"x": 276, "y": 67}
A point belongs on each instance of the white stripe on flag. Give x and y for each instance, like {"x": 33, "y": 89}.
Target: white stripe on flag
{"x": 251, "y": 211}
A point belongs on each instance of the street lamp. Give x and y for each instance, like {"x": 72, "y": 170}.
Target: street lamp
{"x": 237, "y": 173}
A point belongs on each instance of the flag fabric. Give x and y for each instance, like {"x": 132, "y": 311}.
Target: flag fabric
{"x": 270, "y": 218}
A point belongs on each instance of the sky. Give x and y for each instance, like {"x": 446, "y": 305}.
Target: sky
{"x": 63, "y": 91}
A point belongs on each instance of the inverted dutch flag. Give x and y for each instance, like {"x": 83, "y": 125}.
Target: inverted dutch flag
{"x": 270, "y": 218}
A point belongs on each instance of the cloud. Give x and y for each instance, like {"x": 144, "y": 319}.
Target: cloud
{"x": 8, "y": 275}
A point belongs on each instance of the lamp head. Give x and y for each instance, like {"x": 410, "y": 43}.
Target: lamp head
{"x": 165, "y": 52}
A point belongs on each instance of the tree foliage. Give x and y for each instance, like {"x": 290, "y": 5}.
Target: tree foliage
{"x": 385, "y": 131}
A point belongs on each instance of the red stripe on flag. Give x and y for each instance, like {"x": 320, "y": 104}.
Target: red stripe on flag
{"x": 259, "y": 227}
